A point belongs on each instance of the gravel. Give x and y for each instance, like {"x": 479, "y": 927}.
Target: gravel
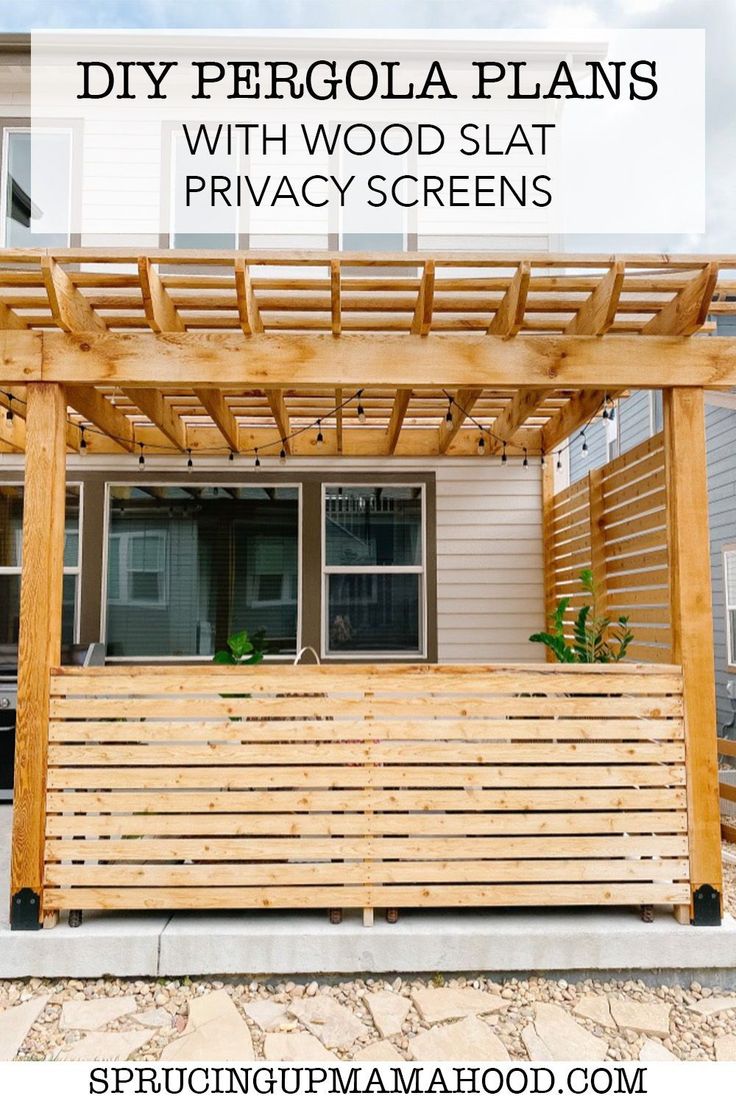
{"x": 692, "y": 1036}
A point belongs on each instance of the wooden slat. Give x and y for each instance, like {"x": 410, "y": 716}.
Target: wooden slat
{"x": 688, "y": 309}
{"x": 360, "y": 897}
{"x": 206, "y": 849}
{"x": 356, "y": 824}
{"x": 69, "y": 308}
{"x": 459, "y": 710}
{"x": 379, "y": 752}
{"x": 422, "y": 320}
{"x": 277, "y": 404}
{"x": 161, "y": 313}
{"x": 386, "y": 872}
{"x": 597, "y": 313}
{"x": 249, "y": 800}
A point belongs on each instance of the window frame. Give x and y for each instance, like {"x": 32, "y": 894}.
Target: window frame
{"x": 24, "y": 127}
{"x": 168, "y": 479}
{"x": 421, "y": 570}
{"x": 125, "y": 570}
{"x": 727, "y": 551}
{"x": 73, "y": 570}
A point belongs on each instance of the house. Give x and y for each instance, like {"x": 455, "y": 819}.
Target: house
{"x": 359, "y": 457}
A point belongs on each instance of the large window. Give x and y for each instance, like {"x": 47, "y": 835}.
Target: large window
{"x": 374, "y": 570}
{"x": 11, "y": 541}
{"x": 729, "y": 581}
{"x": 39, "y": 213}
{"x": 188, "y": 566}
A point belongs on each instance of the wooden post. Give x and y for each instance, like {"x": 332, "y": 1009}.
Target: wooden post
{"x": 39, "y": 640}
{"x": 548, "y": 542}
{"x": 692, "y": 637}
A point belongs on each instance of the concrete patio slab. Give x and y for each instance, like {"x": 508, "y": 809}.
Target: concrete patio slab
{"x": 448, "y": 941}
{"x": 500, "y": 941}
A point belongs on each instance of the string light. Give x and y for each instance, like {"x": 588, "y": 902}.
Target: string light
{"x": 282, "y": 454}
{"x": 141, "y": 458}
{"x": 9, "y": 411}
{"x": 448, "y": 415}
{"x": 559, "y": 462}
{"x": 481, "y": 445}
{"x": 257, "y": 462}
{"x": 190, "y": 462}
{"x": 526, "y": 459}
{"x": 82, "y": 441}
{"x": 320, "y": 437}
{"x": 584, "y": 447}
{"x": 361, "y": 411}
{"x": 542, "y": 461}
{"x": 605, "y": 408}
{"x": 504, "y": 457}
{"x": 231, "y": 456}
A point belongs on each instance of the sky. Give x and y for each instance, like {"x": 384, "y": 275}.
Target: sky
{"x": 717, "y": 17}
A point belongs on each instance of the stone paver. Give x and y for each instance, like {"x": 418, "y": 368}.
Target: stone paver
{"x": 215, "y": 1032}
{"x": 331, "y": 1022}
{"x": 388, "y": 1011}
{"x": 104, "y": 1046}
{"x": 382, "y": 1051}
{"x": 725, "y": 1048}
{"x": 653, "y": 1051}
{"x": 649, "y": 1018}
{"x": 595, "y": 1007}
{"x": 295, "y": 1046}
{"x": 536, "y": 1050}
{"x": 15, "y": 1023}
{"x": 440, "y": 1004}
{"x": 268, "y": 1014}
{"x": 468, "y": 1040}
{"x": 564, "y": 1038}
{"x": 90, "y": 1015}
{"x": 711, "y": 1006}
{"x": 154, "y": 1017}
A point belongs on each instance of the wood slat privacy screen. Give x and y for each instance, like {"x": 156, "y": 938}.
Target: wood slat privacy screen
{"x": 366, "y": 786}
{"x": 614, "y": 521}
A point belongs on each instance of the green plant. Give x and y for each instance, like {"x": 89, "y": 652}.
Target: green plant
{"x": 596, "y": 639}
{"x": 242, "y": 648}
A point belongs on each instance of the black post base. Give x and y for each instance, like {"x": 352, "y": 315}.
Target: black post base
{"x": 25, "y": 911}
{"x": 706, "y": 907}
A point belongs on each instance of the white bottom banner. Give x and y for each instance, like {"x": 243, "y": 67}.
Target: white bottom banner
{"x": 503, "y": 1081}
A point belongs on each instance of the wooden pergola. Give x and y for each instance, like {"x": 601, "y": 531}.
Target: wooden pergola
{"x": 415, "y": 355}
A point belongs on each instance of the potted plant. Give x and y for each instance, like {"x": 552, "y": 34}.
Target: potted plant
{"x": 595, "y": 638}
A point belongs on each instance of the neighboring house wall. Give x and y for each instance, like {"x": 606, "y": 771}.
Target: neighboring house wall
{"x": 721, "y": 427}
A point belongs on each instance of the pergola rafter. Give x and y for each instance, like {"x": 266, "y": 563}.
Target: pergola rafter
{"x": 222, "y": 351}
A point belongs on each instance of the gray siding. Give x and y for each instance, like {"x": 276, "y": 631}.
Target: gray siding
{"x": 721, "y": 431}
{"x": 636, "y": 420}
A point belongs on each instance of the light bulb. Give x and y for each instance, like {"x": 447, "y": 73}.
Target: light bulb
{"x": 481, "y": 446}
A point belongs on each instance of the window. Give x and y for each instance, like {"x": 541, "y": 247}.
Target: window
{"x": 36, "y": 212}
{"x": 729, "y": 581}
{"x": 189, "y": 229}
{"x": 374, "y": 574}
{"x": 11, "y": 540}
{"x": 137, "y": 568}
{"x": 188, "y": 566}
